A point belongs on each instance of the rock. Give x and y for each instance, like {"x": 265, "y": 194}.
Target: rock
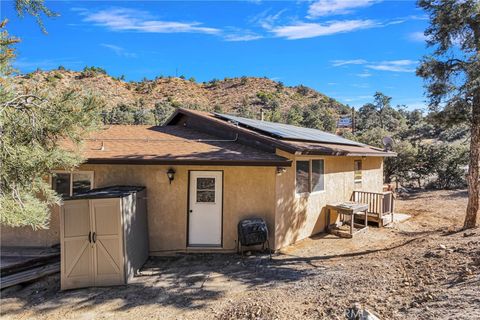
{"x": 442, "y": 246}
{"x": 356, "y": 312}
{"x": 468, "y": 234}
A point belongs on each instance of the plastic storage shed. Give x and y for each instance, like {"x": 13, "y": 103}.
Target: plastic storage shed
{"x": 103, "y": 236}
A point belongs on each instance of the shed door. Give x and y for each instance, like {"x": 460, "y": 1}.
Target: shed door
{"x": 205, "y": 208}
{"x": 76, "y": 250}
{"x": 108, "y": 242}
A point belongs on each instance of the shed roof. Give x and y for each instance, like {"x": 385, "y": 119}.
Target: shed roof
{"x": 107, "y": 192}
{"x": 125, "y": 144}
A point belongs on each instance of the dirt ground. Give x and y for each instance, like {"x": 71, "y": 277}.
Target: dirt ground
{"x": 419, "y": 269}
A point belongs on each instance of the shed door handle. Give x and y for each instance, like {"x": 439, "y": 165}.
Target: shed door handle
{"x": 94, "y": 237}
{"x": 90, "y": 237}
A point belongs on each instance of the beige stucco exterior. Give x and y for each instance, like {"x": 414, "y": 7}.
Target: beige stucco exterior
{"x": 247, "y": 192}
{"x": 300, "y": 216}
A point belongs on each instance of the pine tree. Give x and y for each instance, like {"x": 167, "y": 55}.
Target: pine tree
{"x": 452, "y": 76}
{"x": 39, "y": 131}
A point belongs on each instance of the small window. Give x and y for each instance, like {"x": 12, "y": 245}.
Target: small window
{"x": 61, "y": 184}
{"x": 310, "y": 176}
{"x": 302, "y": 177}
{"x": 205, "y": 189}
{"x": 82, "y": 182}
{"x": 318, "y": 180}
{"x": 67, "y": 184}
{"x": 357, "y": 171}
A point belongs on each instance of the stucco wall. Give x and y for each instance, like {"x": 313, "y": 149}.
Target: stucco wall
{"x": 298, "y": 217}
{"x": 28, "y": 237}
{"x": 248, "y": 191}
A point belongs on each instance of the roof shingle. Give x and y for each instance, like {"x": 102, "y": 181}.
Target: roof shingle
{"x": 169, "y": 145}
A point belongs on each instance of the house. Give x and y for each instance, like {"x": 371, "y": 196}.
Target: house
{"x": 204, "y": 172}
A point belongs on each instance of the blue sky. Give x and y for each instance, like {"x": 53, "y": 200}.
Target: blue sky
{"x": 344, "y": 49}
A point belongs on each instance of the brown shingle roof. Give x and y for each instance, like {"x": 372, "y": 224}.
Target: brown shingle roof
{"x": 171, "y": 145}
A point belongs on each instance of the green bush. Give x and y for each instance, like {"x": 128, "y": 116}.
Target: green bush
{"x": 303, "y": 90}
{"x": 90, "y": 72}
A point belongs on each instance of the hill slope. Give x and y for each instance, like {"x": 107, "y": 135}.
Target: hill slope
{"x": 245, "y": 96}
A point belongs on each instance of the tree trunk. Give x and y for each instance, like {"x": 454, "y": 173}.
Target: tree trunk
{"x": 473, "y": 169}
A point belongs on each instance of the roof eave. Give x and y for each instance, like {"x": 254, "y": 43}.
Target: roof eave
{"x": 337, "y": 153}
{"x": 184, "y": 162}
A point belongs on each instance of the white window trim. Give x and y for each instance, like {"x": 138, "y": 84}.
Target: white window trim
{"x": 91, "y": 173}
{"x": 310, "y": 193}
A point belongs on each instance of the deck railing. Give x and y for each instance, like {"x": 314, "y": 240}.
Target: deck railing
{"x": 380, "y": 203}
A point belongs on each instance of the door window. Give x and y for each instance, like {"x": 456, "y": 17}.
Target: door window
{"x": 205, "y": 190}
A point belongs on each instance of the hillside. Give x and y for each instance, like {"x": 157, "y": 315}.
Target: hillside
{"x": 244, "y": 96}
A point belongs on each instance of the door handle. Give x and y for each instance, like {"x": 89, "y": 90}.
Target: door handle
{"x": 190, "y": 210}
{"x": 94, "y": 237}
{"x": 90, "y": 237}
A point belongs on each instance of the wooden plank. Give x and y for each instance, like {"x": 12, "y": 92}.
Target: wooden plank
{"x": 29, "y": 275}
{"x": 18, "y": 264}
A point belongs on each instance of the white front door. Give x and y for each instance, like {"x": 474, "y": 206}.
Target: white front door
{"x": 205, "y": 208}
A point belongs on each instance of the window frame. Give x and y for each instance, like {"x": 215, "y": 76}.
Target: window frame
{"x": 311, "y": 176}
{"x": 355, "y": 180}
{"x": 89, "y": 172}
{"x": 310, "y": 185}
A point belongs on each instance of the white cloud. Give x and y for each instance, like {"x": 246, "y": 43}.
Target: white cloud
{"x": 121, "y": 19}
{"x": 339, "y": 63}
{"x": 364, "y": 74}
{"x": 266, "y": 20}
{"x": 302, "y": 30}
{"x": 119, "y": 51}
{"x": 242, "y": 37}
{"x": 394, "y": 65}
{"x": 417, "y": 36}
{"x": 323, "y": 8}
{"x": 404, "y": 65}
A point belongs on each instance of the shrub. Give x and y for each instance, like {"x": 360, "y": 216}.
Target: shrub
{"x": 303, "y": 90}
{"x": 50, "y": 78}
{"x": 279, "y": 86}
{"x": 90, "y": 72}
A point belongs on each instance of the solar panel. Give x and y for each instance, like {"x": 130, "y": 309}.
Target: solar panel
{"x": 287, "y": 131}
